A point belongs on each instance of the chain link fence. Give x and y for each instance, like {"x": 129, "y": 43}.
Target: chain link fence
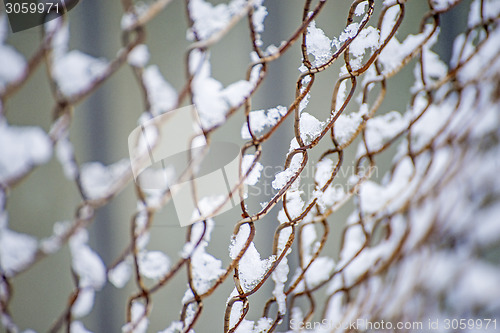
{"x": 419, "y": 249}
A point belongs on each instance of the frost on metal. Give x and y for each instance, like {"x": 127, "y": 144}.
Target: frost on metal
{"x": 419, "y": 184}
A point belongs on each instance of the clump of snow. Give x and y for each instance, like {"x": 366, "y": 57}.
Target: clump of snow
{"x": 368, "y": 38}
{"x": 236, "y": 92}
{"x": 153, "y": 264}
{"x": 349, "y": 32}
{"x": 65, "y": 155}
{"x": 442, "y": 5}
{"x": 258, "y": 17}
{"x": 139, "y": 56}
{"x": 76, "y": 71}
{"x": 254, "y": 175}
{"x": 434, "y": 68}
{"x": 120, "y": 274}
{"x": 22, "y": 148}
{"x": 97, "y": 179}
{"x": 86, "y": 263}
{"x": 324, "y": 170}
{"x": 261, "y": 119}
{"x": 139, "y": 322}
{"x": 332, "y": 194}
{"x": 161, "y": 95}
{"x": 175, "y": 327}
{"x": 251, "y": 268}
{"x": 381, "y": 128}
{"x": 13, "y": 65}
{"x": 490, "y": 9}
{"x": 84, "y": 302}
{"x": 90, "y": 270}
{"x": 207, "y": 19}
{"x": 389, "y": 21}
{"x": 245, "y": 326}
{"x": 280, "y": 276}
{"x": 129, "y": 19}
{"x": 17, "y": 250}
{"x": 205, "y": 267}
{"x": 360, "y": 8}
{"x": 375, "y": 197}
{"x": 53, "y": 243}
{"x": 318, "y": 45}
{"x": 282, "y": 177}
{"x": 310, "y": 127}
{"x": 211, "y": 99}
{"x": 394, "y": 52}
{"x": 429, "y": 124}
{"x": 346, "y": 125}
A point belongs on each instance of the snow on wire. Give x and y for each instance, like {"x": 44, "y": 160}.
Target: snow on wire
{"x": 418, "y": 241}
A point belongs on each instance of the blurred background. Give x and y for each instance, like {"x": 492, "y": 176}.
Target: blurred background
{"x": 100, "y": 129}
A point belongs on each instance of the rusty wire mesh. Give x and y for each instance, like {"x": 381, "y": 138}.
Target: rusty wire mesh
{"x": 390, "y": 242}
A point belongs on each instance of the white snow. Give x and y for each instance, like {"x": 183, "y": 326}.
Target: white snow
{"x": 360, "y": 8}
{"x": 206, "y": 268}
{"x": 368, "y": 38}
{"x": 258, "y": 17}
{"x": 375, "y": 197}
{"x": 251, "y": 268}
{"x": 22, "y": 148}
{"x": 139, "y": 56}
{"x": 140, "y": 322}
{"x": 382, "y": 128}
{"x": 280, "y": 276}
{"x": 76, "y": 71}
{"x": 346, "y": 124}
{"x": 254, "y": 175}
{"x": 261, "y": 119}
{"x": 161, "y": 95}
{"x": 324, "y": 170}
{"x": 318, "y": 45}
{"x": 153, "y": 264}
{"x": 97, "y": 179}
{"x": 120, "y": 274}
{"x": 84, "y": 303}
{"x": 208, "y": 19}
{"x": 491, "y": 11}
{"x": 65, "y": 155}
{"x": 175, "y": 327}
{"x": 61, "y": 37}
{"x": 388, "y": 23}
{"x": 13, "y": 65}
{"x": 318, "y": 272}
{"x": 86, "y": 263}
{"x": 310, "y": 127}
{"x": 17, "y": 250}
{"x": 236, "y": 92}
{"x": 394, "y": 52}
{"x": 207, "y": 92}
{"x": 349, "y": 32}
{"x": 441, "y": 5}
